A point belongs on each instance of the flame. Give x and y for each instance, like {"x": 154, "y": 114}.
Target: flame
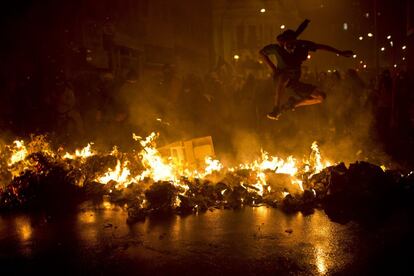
{"x": 285, "y": 194}
{"x": 299, "y": 183}
{"x": 82, "y": 153}
{"x": 121, "y": 174}
{"x": 317, "y": 159}
{"x": 273, "y": 163}
{"x": 157, "y": 168}
{"x": 19, "y": 152}
{"x": 212, "y": 166}
{"x": 152, "y": 160}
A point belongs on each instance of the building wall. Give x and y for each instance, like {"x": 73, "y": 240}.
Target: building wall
{"x": 146, "y": 34}
{"x": 241, "y": 29}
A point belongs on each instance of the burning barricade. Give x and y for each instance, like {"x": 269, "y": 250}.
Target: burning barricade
{"x": 144, "y": 182}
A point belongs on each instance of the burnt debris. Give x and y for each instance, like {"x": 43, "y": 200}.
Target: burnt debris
{"x": 362, "y": 192}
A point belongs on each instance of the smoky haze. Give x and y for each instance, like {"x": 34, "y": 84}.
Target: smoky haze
{"x": 233, "y": 111}
{"x": 101, "y": 70}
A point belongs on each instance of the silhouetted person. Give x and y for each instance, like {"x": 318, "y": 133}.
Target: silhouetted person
{"x": 290, "y": 53}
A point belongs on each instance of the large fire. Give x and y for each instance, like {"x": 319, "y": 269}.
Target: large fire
{"x": 186, "y": 177}
{"x": 158, "y": 168}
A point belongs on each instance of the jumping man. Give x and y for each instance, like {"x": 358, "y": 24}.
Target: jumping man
{"x": 290, "y": 53}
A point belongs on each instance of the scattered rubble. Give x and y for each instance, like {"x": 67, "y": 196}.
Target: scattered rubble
{"x": 361, "y": 192}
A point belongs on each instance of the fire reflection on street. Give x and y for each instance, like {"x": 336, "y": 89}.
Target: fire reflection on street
{"x": 248, "y": 234}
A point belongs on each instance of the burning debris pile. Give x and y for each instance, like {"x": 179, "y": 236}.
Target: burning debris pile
{"x": 145, "y": 183}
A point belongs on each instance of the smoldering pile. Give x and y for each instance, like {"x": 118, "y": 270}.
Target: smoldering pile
{"x": 45, "y": 180}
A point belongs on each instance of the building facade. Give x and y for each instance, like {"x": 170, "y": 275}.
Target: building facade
{"x": 241, "y": 28}
{"x": 146, "y": 35}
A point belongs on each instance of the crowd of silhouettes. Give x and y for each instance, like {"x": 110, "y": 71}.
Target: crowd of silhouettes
{"x": 88, "y": 103}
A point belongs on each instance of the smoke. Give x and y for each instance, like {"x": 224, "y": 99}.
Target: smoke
{"x": 233, "y": 112}
{"x": 232, "y": 109}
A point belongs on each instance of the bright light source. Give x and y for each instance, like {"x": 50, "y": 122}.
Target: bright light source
{"x": 309, "y": 56}
{"x": 236, "y": 57}
{"x": 367, "y": 15}
{"x": 329, "y": 71}
{"x": 404, "y": 47}
{"x": 354, "y": 56}
{"x": 263, "y": 10}
{"x": 392, "y": 44}
{"x": 365, "y": 66}
{"x": 361, "y": 61}
{"x": 383, "y": 49}
{"x": 361, "y": 38}
{"x": 282, "y": 26}
{"x": 370, "y": 35}
{"x": 345, "y": 26}
{"x": 403, "y": 58}
{"x": 389, "y": 37}
{"x": 395, "y": 65}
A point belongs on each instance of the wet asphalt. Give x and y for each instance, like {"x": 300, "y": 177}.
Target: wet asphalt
{"x": 96, "y": 240}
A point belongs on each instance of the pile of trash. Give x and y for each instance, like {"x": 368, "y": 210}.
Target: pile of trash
{"x": 42, "y": 179}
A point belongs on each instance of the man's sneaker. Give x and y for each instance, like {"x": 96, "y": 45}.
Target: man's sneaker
{"x": 275, "y": 114}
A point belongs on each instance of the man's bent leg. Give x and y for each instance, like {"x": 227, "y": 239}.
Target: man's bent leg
{"x": 316, "y": 97}
{"x": 281, "y": 82}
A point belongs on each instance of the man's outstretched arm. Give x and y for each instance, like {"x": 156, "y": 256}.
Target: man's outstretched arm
{"x": 334, "y": 50}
